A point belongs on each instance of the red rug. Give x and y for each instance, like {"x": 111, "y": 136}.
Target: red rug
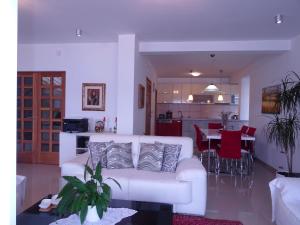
{"x": 196, "y": 220}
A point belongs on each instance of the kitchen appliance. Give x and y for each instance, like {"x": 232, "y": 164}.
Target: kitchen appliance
{"x": 161, "y": 116}
{"x": 169, "y": 115}
{"x": 75, "y": 125}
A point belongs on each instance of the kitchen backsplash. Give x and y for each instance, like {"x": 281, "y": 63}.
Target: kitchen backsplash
{"x": 197, "y": 111}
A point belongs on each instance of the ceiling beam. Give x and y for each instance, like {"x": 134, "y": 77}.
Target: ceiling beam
{"x": 215, "y": 46}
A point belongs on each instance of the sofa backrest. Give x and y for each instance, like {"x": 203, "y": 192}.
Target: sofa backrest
{"x": 186, "y": 142}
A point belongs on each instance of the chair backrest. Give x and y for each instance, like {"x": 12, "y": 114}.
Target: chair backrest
{"x": 215, "y": 126}
{"x": 251, "y": 131}
{"x": 244, "y": 129}
{"x": 230, "y": 144}
{"x": 198, "y": 136}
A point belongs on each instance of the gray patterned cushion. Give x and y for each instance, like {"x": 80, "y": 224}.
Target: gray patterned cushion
{"x": 151, "y": 157}
{"x": 119, "y": 156}
{"x": 171, "y": 155}
{"x": 98, "y": 153}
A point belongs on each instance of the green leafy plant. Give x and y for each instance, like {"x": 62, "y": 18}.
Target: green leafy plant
{"x": 283, "y": 128}
{"x": 77, "y": 195}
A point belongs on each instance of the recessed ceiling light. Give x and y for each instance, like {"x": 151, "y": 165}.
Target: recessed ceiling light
{"x": 78, "y": 32}
{"x": 195, "y": 73}
{"x": 278, "y": 19}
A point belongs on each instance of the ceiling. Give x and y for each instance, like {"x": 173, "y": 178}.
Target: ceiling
{"x": 50, "y": 21}
{"x": 55, "y": 21}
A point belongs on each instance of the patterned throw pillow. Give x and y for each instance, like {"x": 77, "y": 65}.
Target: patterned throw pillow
{"x": 171, "y": 156}
{"x": 119, "y": 156}
{"x": 98, "y": 153}
{"x": 151, "y": 157}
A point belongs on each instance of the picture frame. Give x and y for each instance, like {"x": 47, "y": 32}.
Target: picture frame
{"x": 93, "y": 96}
{"x": 141, "y": 96}
{"x": 270, "y": 99}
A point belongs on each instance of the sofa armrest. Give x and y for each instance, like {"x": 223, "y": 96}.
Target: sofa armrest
{"x": 189, "y": 169}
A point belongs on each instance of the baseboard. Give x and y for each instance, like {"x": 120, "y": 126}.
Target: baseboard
{"x": 265, "y": 165}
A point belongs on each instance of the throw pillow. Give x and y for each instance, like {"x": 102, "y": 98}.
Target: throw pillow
{"x": 98, "y": 153}
{"x": 171, "y": 156}
{"x": 151, "y": 156}
{"x": 119, "y": 156}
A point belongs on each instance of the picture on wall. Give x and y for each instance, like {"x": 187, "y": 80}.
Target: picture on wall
{"x": 93, "y": 97}
{"x": 270, "y": 99}
{"x": 141, "y": 96}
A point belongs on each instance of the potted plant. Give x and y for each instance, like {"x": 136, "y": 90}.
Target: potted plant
{"x": 283, "y": 128}
{"x": 88, "y": 199}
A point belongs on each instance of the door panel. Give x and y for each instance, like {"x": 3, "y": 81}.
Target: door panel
{"x": 41, "y": 108}
{"x": 148, "y": 107}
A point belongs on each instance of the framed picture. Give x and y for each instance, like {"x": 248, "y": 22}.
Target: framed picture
{"x": 141, "y": 96}
{"x": 93, "y": 97}
{"x": 270, "y": 100}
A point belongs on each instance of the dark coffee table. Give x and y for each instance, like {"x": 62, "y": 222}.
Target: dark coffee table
{"x": 148, "y": 214}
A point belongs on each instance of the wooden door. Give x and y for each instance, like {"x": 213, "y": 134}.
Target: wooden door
{"x": 26, "y": 116}
{"x": 148, "y": 107}
{"x": 48, "y": 109}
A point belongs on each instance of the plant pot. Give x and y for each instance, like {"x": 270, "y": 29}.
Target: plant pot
{"x": 92, "y": 215}
{"x": 287, "y": 174}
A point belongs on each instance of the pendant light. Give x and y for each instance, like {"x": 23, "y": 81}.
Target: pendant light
{"x": 190, "y": 97}
{"x": 211, "y": 87}
{"x": 220, "y": 96}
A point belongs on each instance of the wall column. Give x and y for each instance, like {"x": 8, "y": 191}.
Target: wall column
{"x": 125, "y": 83}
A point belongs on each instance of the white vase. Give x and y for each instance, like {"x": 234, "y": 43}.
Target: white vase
{"x": 92, "y": 215}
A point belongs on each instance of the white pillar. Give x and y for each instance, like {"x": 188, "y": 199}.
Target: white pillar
{"x": 125, "y": 83}
{"x": 8, "y": 95}
{"x": 245, "y": 98}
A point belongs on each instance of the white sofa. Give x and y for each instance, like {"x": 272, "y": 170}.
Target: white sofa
{"x": 186, "y": 188}
{"x": 285, "y": 200}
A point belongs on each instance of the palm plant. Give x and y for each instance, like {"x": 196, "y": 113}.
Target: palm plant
{"x": 77, "y": 195}
{"x": 284, "y": 127}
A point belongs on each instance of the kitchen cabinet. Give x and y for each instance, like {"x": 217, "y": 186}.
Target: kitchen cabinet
{"x": 178, "y": 93}
{"x": 168, "y": 128}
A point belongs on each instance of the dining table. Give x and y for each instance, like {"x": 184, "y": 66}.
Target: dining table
{"x": 215, "y": 134}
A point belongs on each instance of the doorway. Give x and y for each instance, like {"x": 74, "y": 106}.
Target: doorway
{"x": 40, "y": 111}
{"x": 148, "y": 107}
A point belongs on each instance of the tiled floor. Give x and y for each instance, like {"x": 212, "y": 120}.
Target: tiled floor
{"x": 245, "y": 198}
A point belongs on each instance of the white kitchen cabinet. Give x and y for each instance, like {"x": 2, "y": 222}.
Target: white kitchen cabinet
{"x": 164, "y": 93}
{"x": 186, "y": 90}
{"x": 176, "y": 91}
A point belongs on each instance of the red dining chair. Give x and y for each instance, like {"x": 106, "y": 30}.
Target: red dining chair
{"x": 202, "y": 145}
{"x": 215, "y": 126}
{"x": 250, "y": 144}
{"x": 244, "y": 129}
{"x": 251, "y": 131}
{"x": 214, "y": 143}
{"x": 230, "y": 149}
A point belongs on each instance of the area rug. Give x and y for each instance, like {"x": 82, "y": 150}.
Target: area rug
{"x": 196, "y": 220}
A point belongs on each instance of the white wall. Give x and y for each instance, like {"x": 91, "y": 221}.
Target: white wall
{"x": 8, "y": 95}
{"x": 267, "y": 72}
{"x": 83, "y": 63}
{"x": 143, "y": 70}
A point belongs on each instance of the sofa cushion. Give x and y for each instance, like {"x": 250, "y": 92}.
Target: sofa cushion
{"x": 143, "y": 184}
{"x": 170, "y": 159}
{"x": 119, "y": 156}
{"x": 151, "y": 156}
{"x": 98, "y": 153}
